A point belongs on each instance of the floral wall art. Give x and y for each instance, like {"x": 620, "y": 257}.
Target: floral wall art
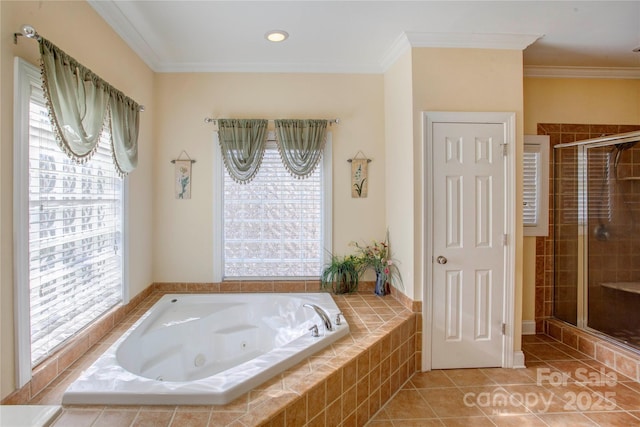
{"x": 359, "y": 177}
{"x": 182, "y": 175}
{"x": 182, "y": 179}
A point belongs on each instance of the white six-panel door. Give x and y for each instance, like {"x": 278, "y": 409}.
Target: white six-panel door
{"x": 469, "y": 241}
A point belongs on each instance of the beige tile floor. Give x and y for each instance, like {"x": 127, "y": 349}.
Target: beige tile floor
{"x": 559, "y": 387}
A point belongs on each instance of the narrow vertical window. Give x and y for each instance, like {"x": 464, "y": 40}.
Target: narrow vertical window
{"x": 73, "y": 239}
{"x": 535, "y": 184}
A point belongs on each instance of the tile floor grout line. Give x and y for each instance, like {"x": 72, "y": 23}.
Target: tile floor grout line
{"x": 564, "y": 364}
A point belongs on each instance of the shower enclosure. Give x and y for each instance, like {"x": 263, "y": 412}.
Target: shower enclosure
{"x": 596, "y": 208}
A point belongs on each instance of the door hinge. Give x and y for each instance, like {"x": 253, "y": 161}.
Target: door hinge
{"x": 505, "y": 149}
{"x": 505, "y": 239}
{"x": 504, "y": 329}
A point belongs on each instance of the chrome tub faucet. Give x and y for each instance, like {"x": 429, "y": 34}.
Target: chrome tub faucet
{"x": 323, "y": 315}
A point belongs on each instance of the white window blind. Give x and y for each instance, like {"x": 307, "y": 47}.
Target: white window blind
{"x": 585, "y": 185}
{"x": 531, "y": 187}
{"x": 567, "y": 182}
{"x": 273, "y": 226}
{"x": 535, "y": 196}
{"x": 598, "y": 196}
{"x": 75, "y": 235}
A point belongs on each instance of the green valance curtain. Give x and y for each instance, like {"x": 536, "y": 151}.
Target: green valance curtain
{"x": 125, "y": 122}
{"x": 242, "y": 142}
{"x": 80, "y": 104}
{"x": 301, "y": 143}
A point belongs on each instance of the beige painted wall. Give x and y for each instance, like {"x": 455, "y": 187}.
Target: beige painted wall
{"x": 398, "y": 106}
{"x": 183, "y": 250}
{"x": 558, "y": 100}
{"x": 601, "y": 101}
{"x": 465, "y": 80}
{"x": 77, "y": 29}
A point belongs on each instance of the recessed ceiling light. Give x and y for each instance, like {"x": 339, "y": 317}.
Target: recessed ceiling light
{"x": 276, "y": 36}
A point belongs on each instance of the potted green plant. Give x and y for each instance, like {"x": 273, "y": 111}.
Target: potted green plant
{"x": 341, "y": 274}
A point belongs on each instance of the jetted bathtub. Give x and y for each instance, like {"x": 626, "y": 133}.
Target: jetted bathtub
{"x": 202, "y": 349}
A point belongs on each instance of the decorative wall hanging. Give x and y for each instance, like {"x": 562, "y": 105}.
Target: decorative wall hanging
{"x": 182, "y": 176}
{"x": 359, "y": 176}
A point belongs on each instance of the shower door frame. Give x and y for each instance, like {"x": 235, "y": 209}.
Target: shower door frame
{"x": 582, "y": 298}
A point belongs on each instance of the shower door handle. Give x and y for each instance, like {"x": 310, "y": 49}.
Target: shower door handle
{"x": 441, "y": 260}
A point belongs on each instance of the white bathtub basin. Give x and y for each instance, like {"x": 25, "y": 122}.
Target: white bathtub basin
{"x": 204, "y": 349}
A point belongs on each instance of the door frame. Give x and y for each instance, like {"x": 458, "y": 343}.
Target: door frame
{"x": 510, "y": 359}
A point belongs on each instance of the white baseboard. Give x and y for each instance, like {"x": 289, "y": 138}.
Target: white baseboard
{"x": 528, "y": 327}
{"x": 518, "y": 360}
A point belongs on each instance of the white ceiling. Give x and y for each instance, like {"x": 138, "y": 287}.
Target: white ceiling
{"x": 367, "y": 36}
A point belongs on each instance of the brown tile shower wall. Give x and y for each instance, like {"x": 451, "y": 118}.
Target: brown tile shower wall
{"x": 567, "y": 187}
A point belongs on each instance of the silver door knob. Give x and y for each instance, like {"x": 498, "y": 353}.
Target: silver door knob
{"x": 441, "y": 260}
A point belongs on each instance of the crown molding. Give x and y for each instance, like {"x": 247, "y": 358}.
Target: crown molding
{"x": 408, "y": 40}
{"x": 582, "y": 72}
{"x": 472, "y": 40}
{"x": 117, "y": 19}
{"x": 263, "y": 67}
{"x": 399, "y": 46}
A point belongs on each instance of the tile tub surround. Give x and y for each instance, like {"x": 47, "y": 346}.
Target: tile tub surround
{"x": 53, "y": 367}
{"x": 344, "y": 384}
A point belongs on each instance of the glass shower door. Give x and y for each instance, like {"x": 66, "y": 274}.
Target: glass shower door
{"x": 613, "y": 273}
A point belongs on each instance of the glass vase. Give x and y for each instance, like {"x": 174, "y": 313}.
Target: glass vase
{"x": 382, "y": 286}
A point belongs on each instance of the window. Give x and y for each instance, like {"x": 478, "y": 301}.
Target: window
{"x": 69, "y": 221}
{"x": 597, "y": 197}
{"x": 583, "y": 185}
{"x": 276, "y": 226}
{"x": 535, "y": 195}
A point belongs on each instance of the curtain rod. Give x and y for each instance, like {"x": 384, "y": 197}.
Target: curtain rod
{"x": 29, "y": 32}
{"x": 215, "y": 121}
